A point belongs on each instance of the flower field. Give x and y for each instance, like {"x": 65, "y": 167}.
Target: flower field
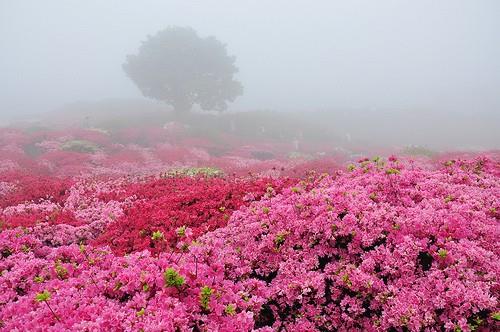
{"x": 155, "y": 229}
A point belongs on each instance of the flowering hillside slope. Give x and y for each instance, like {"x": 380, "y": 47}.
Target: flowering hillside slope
{"x": 385, "y": 245}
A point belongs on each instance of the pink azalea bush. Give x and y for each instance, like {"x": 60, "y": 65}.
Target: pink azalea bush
{"x": 383, "y": 246}
{"x": 78, "y": 288}
{"x": 386, "y": 246}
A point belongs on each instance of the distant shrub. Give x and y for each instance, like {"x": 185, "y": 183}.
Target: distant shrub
{"x": 299, "y": 155}
{"x": 415, "y": 150}
{"x": 80, "y": 146}
{"x": 262, "y": 155}
{"x": 210, "y": 172}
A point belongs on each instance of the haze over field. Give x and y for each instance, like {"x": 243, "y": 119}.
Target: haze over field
{"x": 381, "y": 68}
{"x": 253, "y": 166}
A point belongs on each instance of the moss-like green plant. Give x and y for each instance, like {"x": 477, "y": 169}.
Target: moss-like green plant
{"x": 205, "y": 294}
{"x": 173, "y": 278}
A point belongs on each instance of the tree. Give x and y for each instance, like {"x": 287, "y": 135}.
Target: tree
{"x": 181, "y": 69}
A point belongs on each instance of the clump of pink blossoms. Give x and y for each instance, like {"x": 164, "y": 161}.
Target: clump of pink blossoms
{"x": 385, "y": 246}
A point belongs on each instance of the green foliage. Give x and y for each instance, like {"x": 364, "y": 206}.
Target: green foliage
{"x": 157, "y": 235}
{"x": 346, "y": 280}
{"x": 205, "y": 294}
{"x": 43, "y": 296}
{"x": 449, "y": 198}
{"x": 81, "y": 146}
{"x": 181, "y": 231}
{"x": 173, "y": 278}
{"x": 209, "y": 172}
{"x": 230, "y": 309}
{"x": 61, "y": 271}
{"x": 392, "y": 171}
{"x": 38, "y": 279}
{"x": 449, "y": 163}
{"x": 280, "y": 239}
{"x": 442, "y": 253}
{"x": 418, "y": 151}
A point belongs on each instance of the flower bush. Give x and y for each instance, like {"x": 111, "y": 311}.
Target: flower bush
{"x": 142, "y": 236}
{"x": 384, "y": 246}
{"x": 165, "y": 205}
{"x": 79, "y": 288}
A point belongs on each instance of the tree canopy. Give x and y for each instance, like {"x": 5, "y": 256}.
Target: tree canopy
{"x": 181, "y": 69}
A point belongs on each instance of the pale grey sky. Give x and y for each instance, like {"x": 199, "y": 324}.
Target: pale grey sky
{"x": 426, "y": 55}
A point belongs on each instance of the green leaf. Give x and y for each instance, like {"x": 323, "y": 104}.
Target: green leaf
{"x": 43, "y": 296}
{"x": 230, "y": 309}
{"x": 392, "y": 171}
{"x": 157, "y": 235}
{"x": 205, "y": 294}
{"x": 181, "y": 231}
{"x": 38, "y": 279}
{"x": 173, "y": 278}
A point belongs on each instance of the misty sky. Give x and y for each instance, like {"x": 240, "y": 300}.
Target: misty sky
{"x": 403, "y": 55}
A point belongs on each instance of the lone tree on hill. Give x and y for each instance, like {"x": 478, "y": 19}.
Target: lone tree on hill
{"x": 181, "y": 69}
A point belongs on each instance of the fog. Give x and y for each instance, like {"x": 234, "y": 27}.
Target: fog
{"x": 389, "y": 59}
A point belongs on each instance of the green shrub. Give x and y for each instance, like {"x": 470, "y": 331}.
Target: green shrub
{"x": 210, "y": 172}
{"x": 80, "y": 146}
